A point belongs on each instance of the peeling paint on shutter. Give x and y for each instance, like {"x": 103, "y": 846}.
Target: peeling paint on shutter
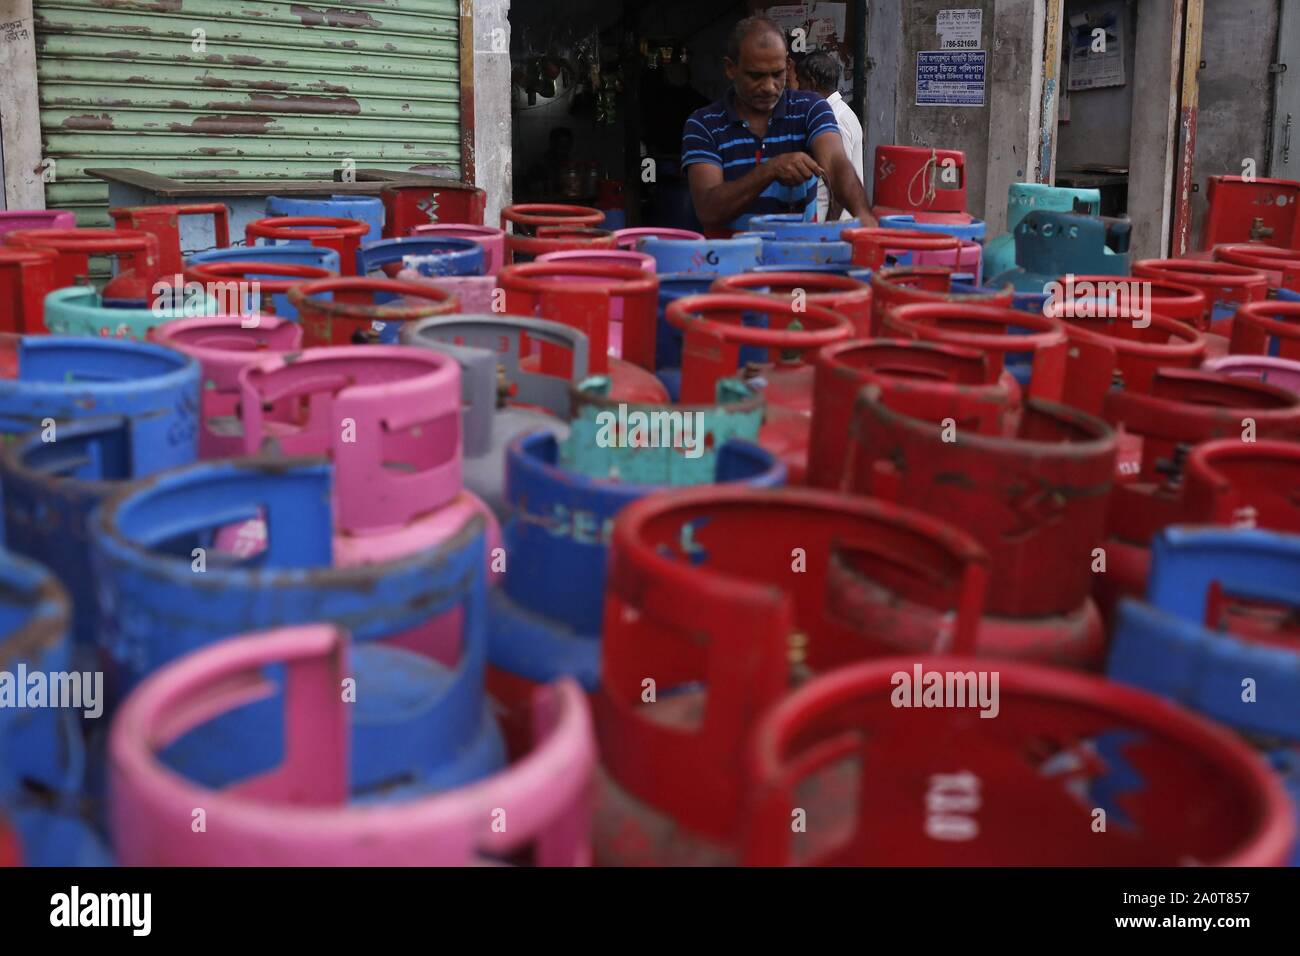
{"x": 281, "y": 91}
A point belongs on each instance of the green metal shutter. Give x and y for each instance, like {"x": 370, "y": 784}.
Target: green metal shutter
{"x": 282, "y": 91}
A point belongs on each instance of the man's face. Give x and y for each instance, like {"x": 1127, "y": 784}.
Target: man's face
{"x": 759, "y": 77}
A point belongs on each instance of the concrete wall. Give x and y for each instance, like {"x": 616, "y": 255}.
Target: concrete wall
{"x": 940, "y": 127}
{"x": 1101, "y": 120}
{"x": 1156, "y": 72}
{"x": 1237, "y": 44}
{"x": 1000, "y": 138}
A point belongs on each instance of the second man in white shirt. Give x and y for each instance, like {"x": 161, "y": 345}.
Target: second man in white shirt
{"x": 821, "y": 73}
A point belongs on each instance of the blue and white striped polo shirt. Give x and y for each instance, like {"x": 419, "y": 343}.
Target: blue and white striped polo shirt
{"x": 716, "y": 134}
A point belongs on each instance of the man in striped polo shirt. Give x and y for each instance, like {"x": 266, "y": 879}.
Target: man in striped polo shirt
{"x": 762, "y": 148}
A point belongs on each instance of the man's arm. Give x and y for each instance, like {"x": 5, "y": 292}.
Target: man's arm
{"x": 718, "y": 203}
{"x": 849, "y": 139}
{"x": 845, "y": 187}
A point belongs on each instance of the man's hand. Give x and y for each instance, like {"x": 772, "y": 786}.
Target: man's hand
{"x": 717, "y": 202}
{"x": 844, "y": 186}
{"x": 792, "y": 169}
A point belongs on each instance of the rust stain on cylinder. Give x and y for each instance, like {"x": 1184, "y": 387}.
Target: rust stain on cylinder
{"x": 242, "y": 59}
{"x": 226, "y": 125}
{"x": 328, "y": 87}
{"x": 216, "y": 81}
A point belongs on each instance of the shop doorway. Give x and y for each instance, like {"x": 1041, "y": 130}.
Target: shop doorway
{"x": 601, "y": 89}
{"x": 1095, "y": 115}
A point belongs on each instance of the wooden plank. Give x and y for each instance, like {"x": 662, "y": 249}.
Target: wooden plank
{"x": 1182, "y": 231}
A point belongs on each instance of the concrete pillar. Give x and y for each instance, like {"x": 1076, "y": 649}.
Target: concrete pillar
{"x": 20, "y": 122}
{"x": 492, "y": 151}
{"x": 1154, "y": 124}
{"x": 1015, "y": 97}
{"x": 884, "y": 62}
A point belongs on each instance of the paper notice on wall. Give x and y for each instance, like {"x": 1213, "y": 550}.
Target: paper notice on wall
{"x": 825, "y": 27}
{"x": 950, "y": 77}
{"x": 959, "y": 29}
{"x": 788, "y": 16}
{"x": 828, "y": 23}
{"x": 1097, "y": 49}
{"x": 824, "y": 24}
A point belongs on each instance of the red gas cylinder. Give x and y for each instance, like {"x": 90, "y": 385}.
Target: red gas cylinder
{"x": 557, "y": 239}
{"x": 1281, "y": 266}
{"x": 908, "y": 179}
{"x": 584, "y": 297}
{"x": 26, "y": 277}
{"x": 875, "y": 248}
{"x": 1244, "y": 484}
{"x": 912, "y": 284}
{"x": 527, "y": 219}
{"x": 215, "y": 274}
{"x": 1036, "y": 500}
{"x": 1225, "y": 286}
{"x": 849, "y": 297}
{"x": 923, "y": 379}
{"x": 346, "y": 321}
{"x": 344, "y": 236}
{"x": 1267, "y": 328}
{"x": 1113, "y": 352}
{"x": 706, "y": 627}
{"x": 714, "y": 333}
{"x": 1250, "y": 211}
{"x": 1183, "y": 409}
{"x": 899, "y": 781}
{"x": 1173, "y": 300}
{"x": 1119, "y": 345}
{"x": 137, "y": 254}
{"x": 988, "y": 329}
{"x": 162, "y": 222}
{"x": 1241, "y": 485}
{"x": 10, "y": 852}
{"x": 407, "y": 207}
